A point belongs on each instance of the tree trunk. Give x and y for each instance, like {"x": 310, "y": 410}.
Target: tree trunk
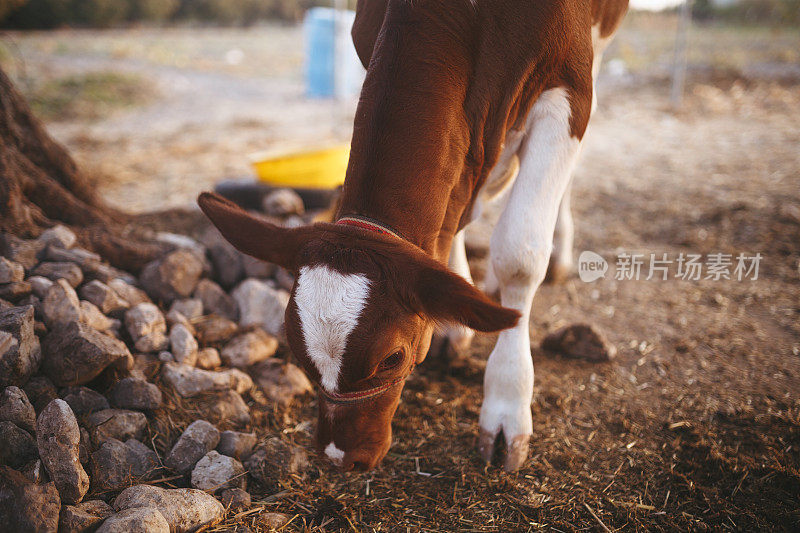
{"x": 40, "y": 186}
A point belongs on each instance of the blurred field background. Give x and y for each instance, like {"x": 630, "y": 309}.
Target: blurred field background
{"x": 159, "y": 113}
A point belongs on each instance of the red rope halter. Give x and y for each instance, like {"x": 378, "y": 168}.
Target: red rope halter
{"x": 368, "y": 224}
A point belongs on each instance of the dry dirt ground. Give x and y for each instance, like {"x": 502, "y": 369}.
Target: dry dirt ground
{"x": 694, "y": 425}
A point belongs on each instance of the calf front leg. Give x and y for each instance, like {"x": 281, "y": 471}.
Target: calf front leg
{"x": 519, "y": 252}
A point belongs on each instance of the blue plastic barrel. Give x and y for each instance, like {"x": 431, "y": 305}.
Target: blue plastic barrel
{"x": 331, "y": 54}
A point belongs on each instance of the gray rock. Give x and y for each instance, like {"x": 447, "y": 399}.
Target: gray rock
{"x": 40, "y": 286}
{"x": 184, "y": 509}
{"x": 208, "y": 359}
{"x": 214, "y": 329}
{"x": 189, "y": 381}
{"x": 294, "y": 221}
{"x": 199, "y": 438}
{"x": 190, "y": 308}
{"x": 249, "y": 348}
{"x": 58, "y": 438}
{"x": 28, "y": 507}
{"x": 256, "y": 268}
{"x": 34, "y": 302}
{"x": 21, "y": 251}
{"x": 34, "y": 471}
{"x": 17, "y": 447}
{"x": 152, "y": 343}
{"x": 15, "y": 291}
{"x": 15, "y": 407}
{"x": 144, "y": 319}
{"x": 70, "y": 272}
{"x": 215, "y": 472}
{"x": 182, "y": 242}
{"x": 117, "y": 465}
{"x": 83, "y": 400}
{"x": 93, "y": 317}
{"x": 61, "y": 304}
{"x": 129, "y": 293}
{"x": 236, "y": 499}
{"x": 85, "y": 517}
{"x": 215, "y": 300}
{"x": 227, "y": 262}
{"x": 20, "y": 353}
{"x": 75, "y": 353}
{"x": 274, "y": 520}
{"x": 104, "y": 297}
{"x": 236, "y": 444}
{"x": 183, "y": 345}
{"x": 40, "y": 391}
{"x": 173, "y": 276}
{"x": 10, "y": 271}
{"x": 580, "y": 341}
{"x": 89, "y": 262}
{"x": 174, "y": 318}
{"x": 276, "y": 459}
{"x": 285, "y": 279}
{"x": 282, "y": 203}
{"x": 135, "y": 393}
{"x": 117, "y": 424}
{"x": 136, "y": 520}
{"x": 261, "y": 305}
{"x": 225, "y": 407}
{"x": 85, "y": 446}
{"x": 280, "y": 381}
{"x": 147, "y": 328}
{"x": 59, "y": 235}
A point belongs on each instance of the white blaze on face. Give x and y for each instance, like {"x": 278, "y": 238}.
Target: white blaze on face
{"x": 329, "y": 304}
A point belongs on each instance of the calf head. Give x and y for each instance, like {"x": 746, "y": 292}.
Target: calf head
{"x": 360, "y": 318}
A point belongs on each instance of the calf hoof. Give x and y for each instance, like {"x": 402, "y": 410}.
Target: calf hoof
{"x": 516, "y": 451}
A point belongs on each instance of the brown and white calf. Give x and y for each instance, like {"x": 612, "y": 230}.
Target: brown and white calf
{"x": 457, "y": 91}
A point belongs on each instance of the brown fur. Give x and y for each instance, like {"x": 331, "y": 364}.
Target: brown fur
{"x": 446, "y": 81}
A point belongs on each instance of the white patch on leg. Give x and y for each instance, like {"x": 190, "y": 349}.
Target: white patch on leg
{"x": 334, "y": 454}
{"x": 520, "y": 249}
{"x": 329, "y": 304}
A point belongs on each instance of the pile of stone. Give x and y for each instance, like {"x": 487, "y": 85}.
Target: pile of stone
{"x": 91, "y": 357}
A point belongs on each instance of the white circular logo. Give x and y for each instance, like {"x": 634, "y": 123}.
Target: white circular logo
{"x": 591, "y": 266}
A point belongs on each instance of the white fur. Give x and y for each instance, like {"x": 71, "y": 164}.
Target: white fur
{"x": 564, "y": 233}
{"x": 459, "y": 336}
{"x": 329, "y": 304}
{"x": 520, "y": 249}
{"x": 334, "y": 454}
{"x": 599, "y": 45}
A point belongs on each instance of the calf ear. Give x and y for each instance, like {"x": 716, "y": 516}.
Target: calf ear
{"x": 253, "y": 235}
{"x": 447, "y": 297}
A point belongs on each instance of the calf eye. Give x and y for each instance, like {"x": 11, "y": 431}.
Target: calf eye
{"x": 392, "y": 361}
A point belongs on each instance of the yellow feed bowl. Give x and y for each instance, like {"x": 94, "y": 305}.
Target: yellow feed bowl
{"x": 311, "y": 169}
